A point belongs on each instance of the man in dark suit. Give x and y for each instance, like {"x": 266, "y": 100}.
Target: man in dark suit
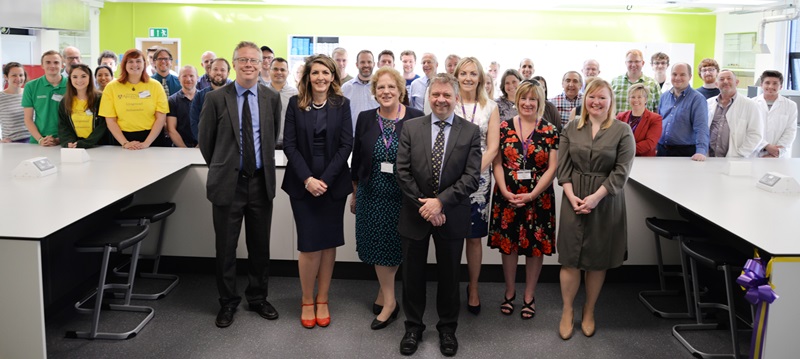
{"x": 436, "y": 175}
{"x": 238, "y": 130}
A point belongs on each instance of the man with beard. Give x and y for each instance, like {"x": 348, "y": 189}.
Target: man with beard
{"x": 219, "y": 77}
{"x": 708, "y": 70}
{"x": 279, "y": 71}
{"x": 358, "y": 90}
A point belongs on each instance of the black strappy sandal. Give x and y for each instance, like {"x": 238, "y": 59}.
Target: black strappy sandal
{"x": 507, "y": 307}
{"x": 530, "y": 312}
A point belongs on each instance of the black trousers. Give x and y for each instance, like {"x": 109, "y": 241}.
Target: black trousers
{"x": 675, "y": 151}
{"x": 448, "y": 302}
{"x": 249, "y": 202}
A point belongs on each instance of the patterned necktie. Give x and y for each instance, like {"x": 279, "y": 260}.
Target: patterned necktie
{"x": 438, "y": 153}
{"x": 248, "y": 146}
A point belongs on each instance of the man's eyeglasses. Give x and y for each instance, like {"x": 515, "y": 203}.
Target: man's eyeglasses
{"x": 244, "y": 61}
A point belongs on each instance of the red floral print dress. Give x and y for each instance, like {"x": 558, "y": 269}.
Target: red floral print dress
{"x": 528, "y": 230}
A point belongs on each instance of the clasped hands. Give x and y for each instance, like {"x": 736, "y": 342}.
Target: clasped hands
{"x": 585, "y": 205}
{"x": 134, "y": 145}
{"x": 517, "y": 200}
{"x": 48, "y": 141}
{"x": 431, "y": 211}
{"x": 315, "y": 186}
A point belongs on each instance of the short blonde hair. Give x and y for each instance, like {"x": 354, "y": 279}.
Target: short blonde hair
{"x": 595, "y": 85}
{"x": 639, "y": 87}
{"x": 527, "y": 87}
{"x": 634, "y": 52}
{"x": 396, "y": 76}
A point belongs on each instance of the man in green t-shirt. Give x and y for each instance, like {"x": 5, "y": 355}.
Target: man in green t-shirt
{"x": 41, "y": 99}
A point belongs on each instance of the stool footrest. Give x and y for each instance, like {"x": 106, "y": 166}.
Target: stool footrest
{"x": 121, "y": 335}
{"x": 644, "y": 295}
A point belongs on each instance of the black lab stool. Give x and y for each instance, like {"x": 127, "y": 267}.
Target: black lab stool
{"x": 107, "y": 241}
{"x": 673, "y": 230}
{"x": 145, "y": 214}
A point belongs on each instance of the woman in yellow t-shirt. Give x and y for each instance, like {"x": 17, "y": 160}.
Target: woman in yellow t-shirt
{"x": 135, "y": 108}
{"x": 79, "y": 125}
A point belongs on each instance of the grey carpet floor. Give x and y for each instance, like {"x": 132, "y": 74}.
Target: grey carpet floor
{"x": 183, "y": 327}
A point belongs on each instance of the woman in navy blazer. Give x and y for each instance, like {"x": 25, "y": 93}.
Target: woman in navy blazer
{"x": 378, "y": 198}
{"x": 317, "y": 140}
{"x": 646, "y": 125}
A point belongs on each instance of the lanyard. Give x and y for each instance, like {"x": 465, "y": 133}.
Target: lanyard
{"x": 526, "y": 142}
{"x": 464, "y": 111}
{"x": 387, "y": 140}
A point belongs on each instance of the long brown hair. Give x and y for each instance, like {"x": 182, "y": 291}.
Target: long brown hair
{"x": 304, "y": 88}
{"x": 91, "y": 93}
{"x": 132, "y": 54}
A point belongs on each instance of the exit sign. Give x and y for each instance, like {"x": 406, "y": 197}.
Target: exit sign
{"x": 158, "y": 32}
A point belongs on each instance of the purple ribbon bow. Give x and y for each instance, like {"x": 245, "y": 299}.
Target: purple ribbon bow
{"x": 755, "y": 282}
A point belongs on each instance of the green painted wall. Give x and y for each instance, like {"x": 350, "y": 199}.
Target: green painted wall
{"x": 219, "y": 27}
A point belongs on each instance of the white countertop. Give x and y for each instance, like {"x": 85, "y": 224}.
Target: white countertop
{"x": 770, "y": 221}
{"x": 37, "y": 207}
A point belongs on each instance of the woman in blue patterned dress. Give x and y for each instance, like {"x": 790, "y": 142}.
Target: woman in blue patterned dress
{"x": 523, "y": 209}
{"x": 377, "y": 198}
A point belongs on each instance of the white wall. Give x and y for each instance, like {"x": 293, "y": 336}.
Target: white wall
{"x": 776, "y": 36}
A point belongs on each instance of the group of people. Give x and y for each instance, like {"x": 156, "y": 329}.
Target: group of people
{"x": 425, "y": 151}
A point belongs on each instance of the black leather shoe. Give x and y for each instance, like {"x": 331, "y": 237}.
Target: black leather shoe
{"x": 225, "y": 317}
{"x": 377, "y": 324}
{"x": 448, "y": 344}
{"x": 376, "y": 308}
{"x": 410, "y": 343}
{"x": 265, "y": 310}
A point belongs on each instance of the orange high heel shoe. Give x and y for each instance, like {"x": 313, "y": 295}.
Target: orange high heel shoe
{"x": 323, "y": 322}
{"x": 307, "y": 323}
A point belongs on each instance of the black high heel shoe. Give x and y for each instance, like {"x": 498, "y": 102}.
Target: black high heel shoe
{"x": 377, "y": 324}
{"x": 376, "y": 308}
{"x": 527, "y": 311}
{"x": 474, "y": 309}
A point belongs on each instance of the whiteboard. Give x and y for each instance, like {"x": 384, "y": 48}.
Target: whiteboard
{"x": 552, "y": 58}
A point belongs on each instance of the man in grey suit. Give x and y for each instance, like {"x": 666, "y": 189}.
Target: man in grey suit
{"x": 238, "y": 130}
{"x": 436, "y": 175}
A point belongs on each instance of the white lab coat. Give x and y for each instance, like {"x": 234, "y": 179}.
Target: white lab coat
{"x": 780, "y": 125}
{"x": 746, "y": 126}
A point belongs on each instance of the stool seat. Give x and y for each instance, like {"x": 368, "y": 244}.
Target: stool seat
{"x": 118, "y": 237}
{"x": 712, "y": 255}
{"x": 152, "y": 212}
{"x": 671, "y": 229}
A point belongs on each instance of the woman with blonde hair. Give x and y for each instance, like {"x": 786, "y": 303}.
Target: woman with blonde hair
{"x": 595, "y": 155}
{"x": 523, "y": 207}
{"x": 645, "y": 124}
{"x": 475, "y": 106}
